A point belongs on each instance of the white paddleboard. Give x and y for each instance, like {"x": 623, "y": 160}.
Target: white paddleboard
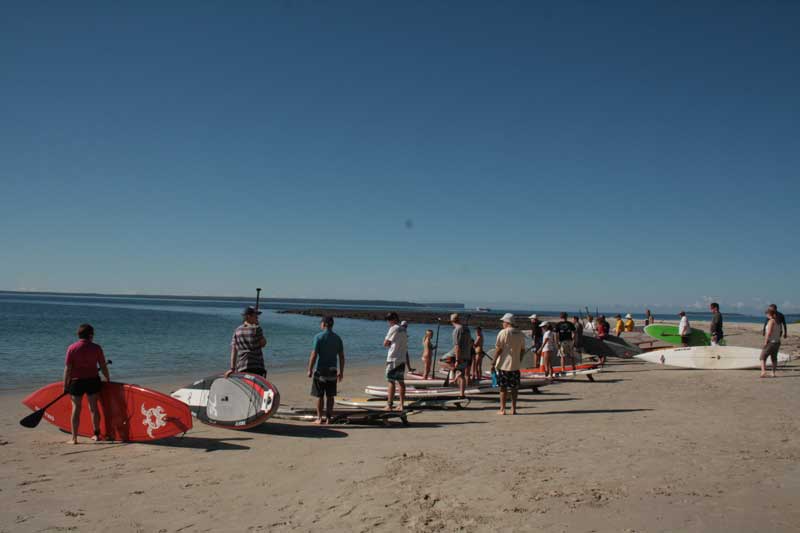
{"x": 711, "y": 357}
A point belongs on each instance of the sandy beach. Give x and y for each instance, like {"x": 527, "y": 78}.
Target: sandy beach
{"x": 643, "y": 448}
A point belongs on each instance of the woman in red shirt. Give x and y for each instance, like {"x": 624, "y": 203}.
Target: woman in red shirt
{"x": 81, "y": 377}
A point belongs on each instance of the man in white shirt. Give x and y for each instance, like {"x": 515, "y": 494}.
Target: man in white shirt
{"x": 397, "y": 341}
{"x": 684, "y": 328}
{"x": 509, "y": 349}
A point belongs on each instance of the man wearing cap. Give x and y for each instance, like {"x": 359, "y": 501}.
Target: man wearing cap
{"x": 327, "y": 352}
{"x": 397, "y": 341}
{"x": 629, "y": 324}
{"x": 462, "y": 350}
{"x": 509, "y": 348}
{"x": 536, "y": 334}
{"x": 246, "y": 345}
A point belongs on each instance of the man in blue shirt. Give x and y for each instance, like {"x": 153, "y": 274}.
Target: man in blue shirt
{"x": 328, "y": 350}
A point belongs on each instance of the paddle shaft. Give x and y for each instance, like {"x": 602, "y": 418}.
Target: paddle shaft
{"x": 258, "y": 296}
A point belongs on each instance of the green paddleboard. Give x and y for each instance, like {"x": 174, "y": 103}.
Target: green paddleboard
{"x": 670, "y": 334}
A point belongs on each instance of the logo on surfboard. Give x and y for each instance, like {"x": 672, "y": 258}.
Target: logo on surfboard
{"x": 154, "y": 418}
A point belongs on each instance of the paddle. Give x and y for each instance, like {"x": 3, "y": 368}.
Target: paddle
{"x": 33, "y": 419}
{"x": 258, "y": 296}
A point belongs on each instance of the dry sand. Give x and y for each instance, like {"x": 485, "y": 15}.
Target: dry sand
{"x": 644, "y": 448}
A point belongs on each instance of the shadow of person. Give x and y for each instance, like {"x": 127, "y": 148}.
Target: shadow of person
{"x": 201, "y": 443}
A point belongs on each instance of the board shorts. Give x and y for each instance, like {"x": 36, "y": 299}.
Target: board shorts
{"x": 567, "y": 348}
{"x": 257, "y": 371}
{"x": 396, "y": 374}
{"x": 771, "y": 350}
{"x": 79, "y": 387}
{"x": 508, "y": 379}
{"x": 685, "y": 340}
{"x": 463, "y": 365}
{"x": 324, "y": 383}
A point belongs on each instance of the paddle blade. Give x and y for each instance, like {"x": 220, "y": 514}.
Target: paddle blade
{"x": 33, "y": 419}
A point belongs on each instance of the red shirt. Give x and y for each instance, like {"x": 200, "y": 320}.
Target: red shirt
{"x": 84, "y": 357}
{"x": 602, "y": 331}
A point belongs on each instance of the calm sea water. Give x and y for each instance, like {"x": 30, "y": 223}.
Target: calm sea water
{"x": 152, "y": 338}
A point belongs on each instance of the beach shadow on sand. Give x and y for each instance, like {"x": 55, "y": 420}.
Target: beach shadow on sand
{"x": 306, "y": 431}
{"x": 201, "y": 443}
{"x": 591, "y": 411}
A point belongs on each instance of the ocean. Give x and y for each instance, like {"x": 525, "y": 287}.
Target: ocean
{"x": 153, "y": 338}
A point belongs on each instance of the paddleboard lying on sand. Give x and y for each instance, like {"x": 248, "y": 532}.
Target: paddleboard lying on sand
{"x": 415, "y": 380}
{"x": 418, "y": 403}
{"x": 128, "y": 413}
{"x": 365, "y": 416}
{"x": 669, "y": 334}
{"x": 594, "y": 346}
{"x": 240, "y": 401}
{"x": 380, "y": 391}
{"x": 711, "y": 357}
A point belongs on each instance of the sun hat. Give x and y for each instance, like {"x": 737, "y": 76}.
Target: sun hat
{"x": 628, "y": 316}
{"x": 508, "y": 317}
{"x": 545, "y": 323}
{"x": 533, "y": 316}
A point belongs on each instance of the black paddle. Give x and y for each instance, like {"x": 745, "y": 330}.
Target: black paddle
{"x": 258, "y": 296}
{"x": 33, "y": 419}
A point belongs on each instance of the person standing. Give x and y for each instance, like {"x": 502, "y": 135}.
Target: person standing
{"x": 83, "y": 359}
{"x": 779, "y": 318}
{"x": 509, "y": 348}
{"x": 629, "y": 323}
{"x": 477, "y": 346}
{"x": 565, "y": 331}
{"x": 246, "y": 346}
{"x": 648, "y": 318}
{"x": 462, "y": 350}
{"x": 589, "y": 328}
{"x": 619, "y": 326}
{"x": 772, "y": 342}
{"x": 684, "y": 328}
{"x": 397, "y": 341}
{"x": 549, "y": 347}
{"x": 715, "y": 329}
{"x": 537, "y": 335}
{"x": 427, "y": 353}
{"x": 327, "y": 352}
{"x": 577, "y": 345}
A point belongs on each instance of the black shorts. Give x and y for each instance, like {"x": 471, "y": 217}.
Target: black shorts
{"x": 323, "y": 386}
{"x": 257, "y": 371}
{"x": 685, "y": 340}
{"x": 79, "y": 387}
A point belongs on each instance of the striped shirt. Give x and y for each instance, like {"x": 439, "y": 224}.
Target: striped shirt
{"x": 247, "y": 342}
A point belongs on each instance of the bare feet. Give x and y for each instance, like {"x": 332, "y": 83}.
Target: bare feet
{"x": 317, "y": 422}
{"x": 96, "y": 438}
{"x": 763, "y": 375}
{"x": 501, "y": 412}
{"x": 72, "y": 441}
{"x": 388, "y": 408}
{"x": 513, "y": 411}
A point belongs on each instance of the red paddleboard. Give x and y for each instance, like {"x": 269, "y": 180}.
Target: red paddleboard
{"x": 128, "y": 413}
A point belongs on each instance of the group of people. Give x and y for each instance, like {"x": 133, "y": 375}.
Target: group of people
{"x": 563, "y": 339}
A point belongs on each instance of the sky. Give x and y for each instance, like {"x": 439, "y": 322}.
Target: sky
{"x": 532, "y": 154}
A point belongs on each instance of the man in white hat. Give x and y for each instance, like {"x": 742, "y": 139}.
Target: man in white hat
{"x": 536, "y": 334}
{"x": 629, "y": 324}
{"x": 509, "y": 348}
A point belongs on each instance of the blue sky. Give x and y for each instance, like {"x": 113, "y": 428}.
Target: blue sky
{"x": 496, "y": 153}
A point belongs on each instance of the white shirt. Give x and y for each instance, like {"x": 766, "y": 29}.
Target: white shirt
{"x": 398, "y": 348}
{"x": 684, "y": 328}
{"x": 549, "y": 342}
{"x": 588, "y": 327}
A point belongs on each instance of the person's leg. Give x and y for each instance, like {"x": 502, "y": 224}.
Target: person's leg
{"x": 462, "y": 384}
{"x": 502, "y": 410}
{"x": 92, "y": 399}
{"x": 319, "y": 410}
{"x": 514, "y": 392}
{"x": 402, "y": 386}
{"x": 76, "y": 417}
{"x": 329, "y": 408}
{"x": 390, "y": 396}
{"x": 427, "y": 366}
{"x": 774, "y": 356}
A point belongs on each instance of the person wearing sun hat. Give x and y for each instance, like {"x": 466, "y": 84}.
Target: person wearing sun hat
{"x": 629, "y": 324}
{"x": 536, "y": 335}
{"x": 509, "y": 348}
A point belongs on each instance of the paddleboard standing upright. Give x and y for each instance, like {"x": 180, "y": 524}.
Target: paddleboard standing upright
{"x": 240, "y": 401}
{"x": 128, "y": 413}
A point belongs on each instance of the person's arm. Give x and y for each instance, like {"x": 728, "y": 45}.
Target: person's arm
{"x": 312, "y": 359}
{"x": 67, "y": 376}
{"x": 341, "y": 364}
{"x": 785, "y": 327}
{"x": 764, "y": 328}
{"x": 498, "y": 348}
{"x": 104, "y": 368}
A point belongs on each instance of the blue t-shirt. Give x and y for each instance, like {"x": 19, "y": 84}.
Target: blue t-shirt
{"x": 328, "y": 346}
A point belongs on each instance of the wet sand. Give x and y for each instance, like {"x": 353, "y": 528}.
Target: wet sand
{"x": 643, "y": 448}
